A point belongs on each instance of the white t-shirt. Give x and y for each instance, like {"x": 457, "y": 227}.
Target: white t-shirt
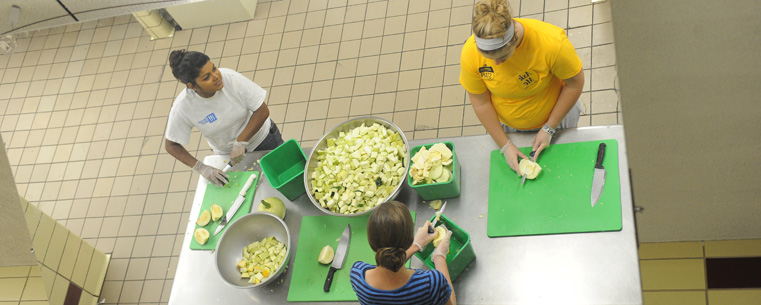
{"x": 220, "y": 118}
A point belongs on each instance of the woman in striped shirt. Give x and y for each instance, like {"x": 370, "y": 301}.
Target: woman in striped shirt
{"x": 391, "y": 233}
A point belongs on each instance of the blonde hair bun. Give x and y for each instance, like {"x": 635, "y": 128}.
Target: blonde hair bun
{"x": 491, "y": 18}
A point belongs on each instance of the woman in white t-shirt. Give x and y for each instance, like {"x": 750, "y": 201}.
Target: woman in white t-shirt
{"x": 224, "y": 105}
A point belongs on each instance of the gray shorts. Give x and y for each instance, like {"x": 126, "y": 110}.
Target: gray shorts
{"x": 273, "y": 139}
{"x": 571, "y": 120}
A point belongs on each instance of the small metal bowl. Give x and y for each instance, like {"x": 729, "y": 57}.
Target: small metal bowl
{"x": 247, "y": 229}
{"x": 333, "y": 133}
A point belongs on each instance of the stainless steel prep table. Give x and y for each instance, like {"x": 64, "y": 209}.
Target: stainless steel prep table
{"x": 582, "y": 268}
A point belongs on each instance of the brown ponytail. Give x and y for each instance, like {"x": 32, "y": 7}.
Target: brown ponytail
{"x": 391, "y": 258}
{"x": 390, "y": 232}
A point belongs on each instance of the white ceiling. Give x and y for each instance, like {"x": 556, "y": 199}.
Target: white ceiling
{"x": 40, "y": 14}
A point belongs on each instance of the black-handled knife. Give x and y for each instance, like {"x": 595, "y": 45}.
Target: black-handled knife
{"x": 329, "y": 279}
{"x": 600, "y": 155}
{"x": 338, "y": 260}
{"x": 598, "y": 181}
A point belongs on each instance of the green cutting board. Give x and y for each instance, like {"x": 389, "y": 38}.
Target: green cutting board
{"x": 224, "y": 197}
{"x": 308, "y": 276}
{"x": 559, "y": 199}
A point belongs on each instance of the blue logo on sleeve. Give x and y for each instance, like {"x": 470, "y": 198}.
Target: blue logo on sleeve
{"x": 208, "y": 119}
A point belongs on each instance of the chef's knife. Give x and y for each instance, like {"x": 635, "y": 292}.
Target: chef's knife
{"x": 531, "y": 158}
{"x": 599, "y": 177}
{"x": 435, "y": 220}
{"x": 338, "y": 260}
{"x": 238, "y": 201}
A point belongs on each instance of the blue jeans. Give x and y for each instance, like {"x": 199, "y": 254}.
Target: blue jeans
{"x": 570, "y": 120}
{"x": 273, "y": 139}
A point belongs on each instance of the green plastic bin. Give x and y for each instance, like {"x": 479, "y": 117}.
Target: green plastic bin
{"x": 284, "y": 169}
{"x": 460, "y": 249}
{"x": 438, "y": 190}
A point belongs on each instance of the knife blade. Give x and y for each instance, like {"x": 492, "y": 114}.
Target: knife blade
{"x": 238, "y": 201}
{"x": 531, "y": 158}
{"x": 598, "y": 182}
{"x": 228, "y": 166}
{"x": 340, "y": 257}
{"x": 435, "y": 220}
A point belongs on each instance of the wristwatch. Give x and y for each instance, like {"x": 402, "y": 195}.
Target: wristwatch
{"x": 548, "y": 129}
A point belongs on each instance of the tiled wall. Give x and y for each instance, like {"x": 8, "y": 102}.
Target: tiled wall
{"x": 22, "y": 285}
{"x": 674, "y": 273}
{"x": 64, "y": 258}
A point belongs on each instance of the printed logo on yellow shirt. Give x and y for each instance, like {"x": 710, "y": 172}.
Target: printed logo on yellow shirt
{"x": 486, "y": 72}
{"x": 528, "y": 79}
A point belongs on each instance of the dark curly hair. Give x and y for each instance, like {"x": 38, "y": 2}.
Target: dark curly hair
{"x": 187, "y": 65}
{"x": 391, "y": 231}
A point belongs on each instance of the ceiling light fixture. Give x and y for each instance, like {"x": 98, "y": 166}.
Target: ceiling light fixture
{"x": 8, "y": 41}
{"x": 13, "y": 16}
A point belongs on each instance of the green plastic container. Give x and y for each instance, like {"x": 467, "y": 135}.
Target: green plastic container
{"x": 438, "y": 190}
{"x": 284, "y": 169}
{"x": 460, "y": 249}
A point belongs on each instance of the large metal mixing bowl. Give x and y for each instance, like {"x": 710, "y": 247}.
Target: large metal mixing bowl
{"x": 244, "y": 231}
{"x": 333, "y": 133}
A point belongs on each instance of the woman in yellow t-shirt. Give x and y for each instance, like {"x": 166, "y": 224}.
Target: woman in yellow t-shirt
{"x": 521, "y": 75}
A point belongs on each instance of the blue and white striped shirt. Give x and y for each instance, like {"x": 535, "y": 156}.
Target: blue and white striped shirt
{"x": 424, "y": 287}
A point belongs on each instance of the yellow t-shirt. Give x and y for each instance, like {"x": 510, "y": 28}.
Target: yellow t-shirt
{"x": 526, "y": 86}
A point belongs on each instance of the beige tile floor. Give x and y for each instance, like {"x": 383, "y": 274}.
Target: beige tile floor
{"x": 83, "y": 107}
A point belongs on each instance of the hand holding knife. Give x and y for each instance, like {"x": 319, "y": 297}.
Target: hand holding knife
{"x": 211, "y": 174}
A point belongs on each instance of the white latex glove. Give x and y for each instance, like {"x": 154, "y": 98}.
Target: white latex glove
{"x": 443, "y": 247}
{"x": 213, "y": 175}
{"x": 541, "y": 141}
{"x": 236, "y": 155}
{"x": 511, "y": 155}
{"x": 422, "y": 237}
